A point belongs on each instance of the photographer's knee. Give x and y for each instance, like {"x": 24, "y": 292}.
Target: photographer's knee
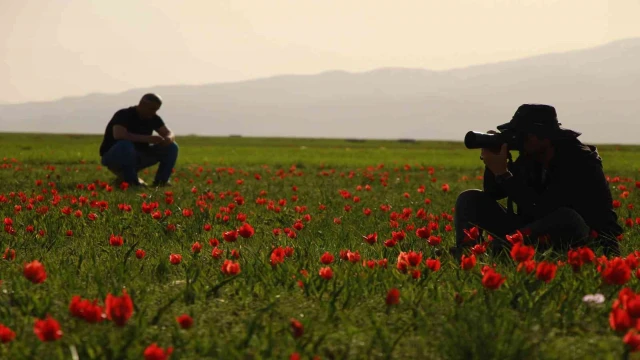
{"x": 568, "y": 214}
{"x": 573, "y": 219}
{"x": 470, "y": 196}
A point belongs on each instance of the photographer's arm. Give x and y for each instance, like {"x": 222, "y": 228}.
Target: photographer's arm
{"x": 489, "y": 184}
{"x": 510, "y": 184}
{"x": 557, "y": 194}
{"x": 521, "y": 194}
{"x": 491, "y": 187}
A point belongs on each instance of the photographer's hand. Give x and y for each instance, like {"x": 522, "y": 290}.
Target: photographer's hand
{"x": 496, "y": 162}
{"x": 492, "y": 132}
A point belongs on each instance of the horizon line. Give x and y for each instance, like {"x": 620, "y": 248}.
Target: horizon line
{"x": 241, "y": 136}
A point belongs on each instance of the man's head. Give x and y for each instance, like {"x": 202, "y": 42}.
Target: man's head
{"x": 538, "y": 128}
{"x": 149, "y": 105}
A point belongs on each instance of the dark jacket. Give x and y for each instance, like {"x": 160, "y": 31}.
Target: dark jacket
{"x": 574, "y": 179}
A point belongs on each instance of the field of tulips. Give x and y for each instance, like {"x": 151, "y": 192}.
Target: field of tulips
{"x": 292, "y": 249}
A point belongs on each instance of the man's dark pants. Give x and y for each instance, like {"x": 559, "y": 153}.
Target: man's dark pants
{"x": 124, "y": 158}
{"x": 564, "y": 227}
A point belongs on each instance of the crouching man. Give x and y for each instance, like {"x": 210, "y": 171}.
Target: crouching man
{"x": 129, "y": 145}
{"x": 557, "y": 183}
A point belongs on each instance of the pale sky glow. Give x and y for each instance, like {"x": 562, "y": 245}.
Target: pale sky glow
{"x": 56, "y": 48}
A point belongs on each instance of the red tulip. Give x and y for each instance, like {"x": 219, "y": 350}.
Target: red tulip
{"x": 492, "y": 280}
{"x": 297, "y": 329}
{"x": 616, "y": 272}
{"x": 288, "y": 251}
{"x": 34, "y": 271}
{"x": 326, "y": 273}
{"x": 154, "y": 352}
{"x": 230, "y": 236}
{"x": 479, "y": 249}
{"x": 6, "y": 334}
{"x": 632, "y": 340}
{"x": 9, "y": 254}
{"x": 434, "y": 240}
{"x": 175, "y": 259}
{"x": 393, "y": 297}
{"x": 371, "y": 238}
{"x": 119, "y": 308}
{"x": 423, "y": 232}
{"x": 468, "y": 262}
{"x": 521, "y": 253}
{"x": 86, "y": 309}
{"x": 216, "y": 253}
{"x": 230, "y": 267}
{"x": 619, "y": 320}
{"x": 115, "y": 240}
{"x": 47, "y": 329}
{"x": 546, "y": 271}
{"x": 433, "y": 264}
{"x": 196, "y": 247}
{"x": 185, "y": 321}
{"x": 515, "y": 238}
{"x": 277, "y": 256}
{"x": 471, "y": 234}
{"x": 246, "y": 231}
{"x": 353, "y": 257}
{"x": 398, "y": 235}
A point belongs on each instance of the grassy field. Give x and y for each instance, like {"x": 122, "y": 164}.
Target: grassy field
{"x": 269, "y": 295}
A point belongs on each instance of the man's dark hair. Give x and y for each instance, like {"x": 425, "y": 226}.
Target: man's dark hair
{"x": 152, "y": 98}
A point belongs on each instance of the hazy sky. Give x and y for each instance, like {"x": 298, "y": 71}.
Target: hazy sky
{"x": 56, "y": 48}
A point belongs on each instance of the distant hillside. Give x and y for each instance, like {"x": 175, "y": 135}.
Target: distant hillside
{"x": 595, "y": 91}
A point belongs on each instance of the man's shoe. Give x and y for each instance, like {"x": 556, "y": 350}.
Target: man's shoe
{"x": 140, "y": 184}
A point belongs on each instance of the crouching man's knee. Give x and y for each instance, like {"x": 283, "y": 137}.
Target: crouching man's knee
{"x": 125, "y": 147}
{"x": 173, "y": 148}
{"x": 123, "y": 152}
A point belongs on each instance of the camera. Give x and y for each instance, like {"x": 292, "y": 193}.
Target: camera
{"x": 479, "y": 140}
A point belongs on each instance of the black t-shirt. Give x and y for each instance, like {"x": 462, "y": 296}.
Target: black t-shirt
{"x": 134, "y": 124}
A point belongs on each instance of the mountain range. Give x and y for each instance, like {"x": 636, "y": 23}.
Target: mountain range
{"x": 595, "y": 91}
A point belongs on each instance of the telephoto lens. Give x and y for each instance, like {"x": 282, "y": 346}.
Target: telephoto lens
{"x": 479, "y": 140}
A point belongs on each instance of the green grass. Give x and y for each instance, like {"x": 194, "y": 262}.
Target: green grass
{"x": 247, "y": 316}
{"x": 230, "y": 151}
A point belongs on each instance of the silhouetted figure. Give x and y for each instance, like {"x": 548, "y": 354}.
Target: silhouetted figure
{"x": 130, "y": 146}
{"x": 557, "y": 184}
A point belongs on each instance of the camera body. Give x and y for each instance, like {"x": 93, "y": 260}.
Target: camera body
{"x": 480, "y": 140}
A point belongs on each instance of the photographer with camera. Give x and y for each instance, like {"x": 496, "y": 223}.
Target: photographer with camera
{"x": 557, "y": 183}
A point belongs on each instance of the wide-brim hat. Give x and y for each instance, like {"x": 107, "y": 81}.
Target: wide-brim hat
{"x": 538, "y": 119}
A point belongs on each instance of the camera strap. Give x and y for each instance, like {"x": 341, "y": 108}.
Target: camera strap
{"x": 509, "y": 201}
